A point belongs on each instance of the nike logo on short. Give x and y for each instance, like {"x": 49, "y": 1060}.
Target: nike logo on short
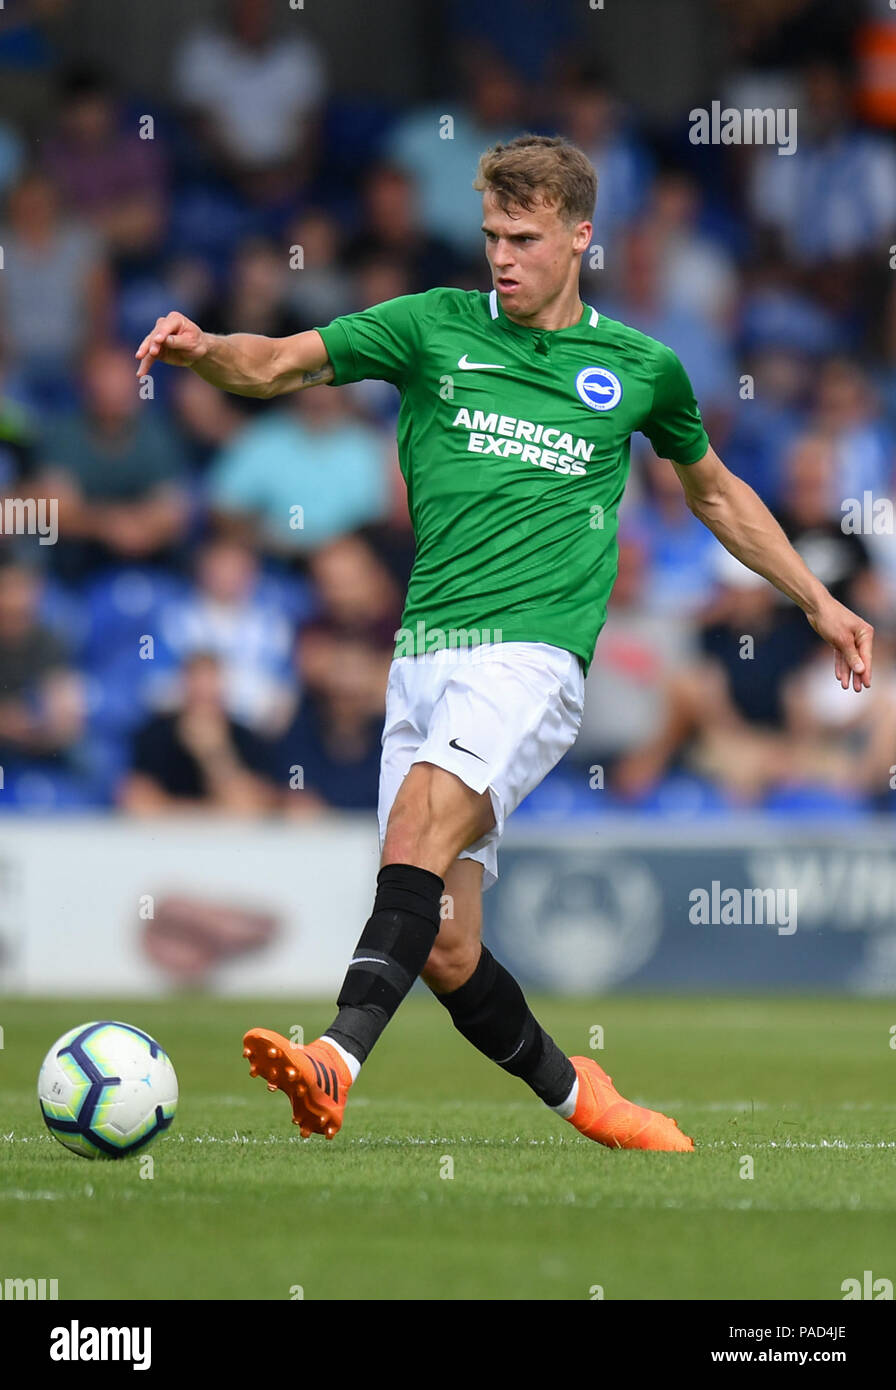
{"x": 466, "y": 366}
{"x": 454, "y": 744}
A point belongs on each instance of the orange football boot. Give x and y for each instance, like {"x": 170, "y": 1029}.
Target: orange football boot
{"x": 315, "y": 1078}
{"x": 602, "y": 1114}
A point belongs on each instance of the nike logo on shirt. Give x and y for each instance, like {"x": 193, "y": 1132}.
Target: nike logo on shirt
{"x": 466, "y": 366}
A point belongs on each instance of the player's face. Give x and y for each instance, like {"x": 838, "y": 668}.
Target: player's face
{"x": 534, "y": 256}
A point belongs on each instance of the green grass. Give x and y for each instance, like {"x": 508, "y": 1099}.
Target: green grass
{"x": 240, "y": 1207}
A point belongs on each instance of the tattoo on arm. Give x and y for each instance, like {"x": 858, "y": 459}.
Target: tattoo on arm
{"x": 318, "y": 378}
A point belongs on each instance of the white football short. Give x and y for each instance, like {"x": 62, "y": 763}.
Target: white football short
{"x": 499, "y": 716}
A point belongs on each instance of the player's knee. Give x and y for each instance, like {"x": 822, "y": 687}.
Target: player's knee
{"x": 416, "y": 835}
{"x": 434, "y": 817}
{"x": 407, "y": 826}
{"x": 413, "y": 813}
{"x": 407, "y": 845}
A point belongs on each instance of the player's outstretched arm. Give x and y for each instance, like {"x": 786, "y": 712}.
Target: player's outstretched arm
{"x": 746, "y": 527}
{"x": 245, "y": 363}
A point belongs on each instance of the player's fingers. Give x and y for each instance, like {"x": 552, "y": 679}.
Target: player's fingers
{"x": 152, "y": 344}
{"x": 161, "y": 348}
{"x": 850, "y": 660}
{"x": 852, "y": 666}
{"x": 865, "y": 644}
{"x": 179, "y": 342}
{"x": 151, "y": 355}
{"x": 164, "y": 329}
{"x": 146, "y": 362}
{"x": 171, "y": 323}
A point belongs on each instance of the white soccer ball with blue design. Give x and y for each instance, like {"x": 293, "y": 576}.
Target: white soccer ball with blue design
{"x": 106, "y": 1090}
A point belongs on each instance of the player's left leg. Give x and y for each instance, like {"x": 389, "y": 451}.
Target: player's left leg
{"x": 485, "y": 1002}
{"x": 488, "y": 1008}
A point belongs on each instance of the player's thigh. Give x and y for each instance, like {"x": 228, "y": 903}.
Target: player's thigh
{"x": 456, "y": 951}
{"x": 435, "y": 815}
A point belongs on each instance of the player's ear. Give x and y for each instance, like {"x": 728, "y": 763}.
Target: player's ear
{"x": 582, "y": 237}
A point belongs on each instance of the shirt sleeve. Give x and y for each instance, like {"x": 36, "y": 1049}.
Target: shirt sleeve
{"x": 381, "y": 343}
{"x": 673, "y": 424}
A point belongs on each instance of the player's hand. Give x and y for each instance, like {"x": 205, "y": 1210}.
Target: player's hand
{"x": 852, "y": 639}
{"x": 175, "y": 339}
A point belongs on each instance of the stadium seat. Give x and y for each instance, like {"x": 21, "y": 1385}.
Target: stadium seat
{"x": 681, "y": 796}
{"x": 807, "y": 801}
{"x": 32, "y": 789}
{"x": 121, "y": 608}
{"x": 564, "y": 794}
{"x": 63, "y": 612}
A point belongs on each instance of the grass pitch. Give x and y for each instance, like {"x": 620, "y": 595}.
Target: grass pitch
{"x": 449, "y": 1181}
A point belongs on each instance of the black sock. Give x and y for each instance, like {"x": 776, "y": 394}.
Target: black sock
{"x": 393, "y": 949}
{"x": 491, "y": 1013}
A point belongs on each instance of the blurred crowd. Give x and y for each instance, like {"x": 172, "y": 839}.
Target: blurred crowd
{"x": 213, "y": 628}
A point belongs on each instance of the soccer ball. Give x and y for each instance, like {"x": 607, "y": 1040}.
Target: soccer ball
{"x": 106, "y": 1090}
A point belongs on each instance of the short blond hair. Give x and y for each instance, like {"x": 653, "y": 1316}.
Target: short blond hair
{"x": 539, "y": 168}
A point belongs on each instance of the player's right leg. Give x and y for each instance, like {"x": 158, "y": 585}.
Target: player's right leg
{"x": 435, "y": 815}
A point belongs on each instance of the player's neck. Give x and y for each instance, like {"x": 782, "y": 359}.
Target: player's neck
{"x": 563, "y": 312}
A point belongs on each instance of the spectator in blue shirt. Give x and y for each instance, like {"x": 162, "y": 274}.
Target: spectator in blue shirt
{"x": 440, "y": 145}
{"x": 228, "y": 613}
{"x": 301, "y": 475}
{"x": 834, "y": 199}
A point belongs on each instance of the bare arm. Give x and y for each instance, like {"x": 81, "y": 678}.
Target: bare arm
{"x": 245, "y": 363}
{"x": 745, "y": 526}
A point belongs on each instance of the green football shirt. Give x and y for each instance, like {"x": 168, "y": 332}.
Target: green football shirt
{"x": 514, "y": 445}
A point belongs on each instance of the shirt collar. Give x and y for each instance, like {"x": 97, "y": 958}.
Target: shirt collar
{"x": 589, "y": 318}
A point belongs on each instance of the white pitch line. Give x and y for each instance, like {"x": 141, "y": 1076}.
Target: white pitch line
{"x": 17, "y": 1194}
